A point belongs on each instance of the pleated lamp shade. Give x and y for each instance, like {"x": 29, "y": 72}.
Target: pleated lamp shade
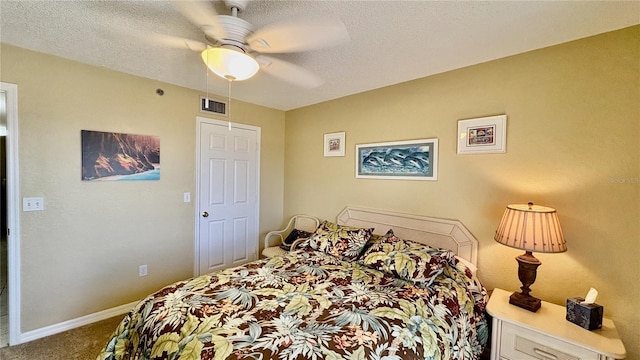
{"x": 531, "y": 228}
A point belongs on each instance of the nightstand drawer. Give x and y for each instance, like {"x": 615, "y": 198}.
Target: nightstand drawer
{"x": 518, "y": 343}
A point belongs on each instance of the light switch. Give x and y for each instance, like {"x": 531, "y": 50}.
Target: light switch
{"x": 32, "y": 204}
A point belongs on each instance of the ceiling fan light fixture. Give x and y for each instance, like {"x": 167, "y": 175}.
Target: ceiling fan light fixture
{"x": 229, "y": 63}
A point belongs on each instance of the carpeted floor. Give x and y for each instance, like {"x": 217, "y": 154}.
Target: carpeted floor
{"x": 83, "y": 343}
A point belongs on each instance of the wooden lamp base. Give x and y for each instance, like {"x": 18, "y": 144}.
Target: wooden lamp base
{"x": 527, "y": 268}
{"x": 525, "y": 301}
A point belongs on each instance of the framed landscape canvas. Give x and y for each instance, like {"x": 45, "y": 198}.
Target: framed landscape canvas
{"x": 109, "y": 156}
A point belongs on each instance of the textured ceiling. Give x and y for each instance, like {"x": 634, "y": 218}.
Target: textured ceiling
{"x": 391, "y": 41}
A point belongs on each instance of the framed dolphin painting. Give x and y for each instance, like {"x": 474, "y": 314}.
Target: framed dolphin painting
{"x": 399, "y": 160}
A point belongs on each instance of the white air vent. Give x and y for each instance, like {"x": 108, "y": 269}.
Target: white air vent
{"x": 213, "y": 106}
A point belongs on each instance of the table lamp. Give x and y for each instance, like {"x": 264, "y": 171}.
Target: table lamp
{"x": 532, "y": 228}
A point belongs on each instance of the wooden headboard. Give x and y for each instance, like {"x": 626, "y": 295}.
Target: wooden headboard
{"x": 442, "y": 233}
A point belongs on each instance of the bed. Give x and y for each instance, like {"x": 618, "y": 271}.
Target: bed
{"x": 362, "y": 287}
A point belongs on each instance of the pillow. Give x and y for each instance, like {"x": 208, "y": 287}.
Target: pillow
{"x": 377, "y": 241}
{"x": 294, "y": 235}
{"x": 468, "y": 264}
{"x": 374, "y": 239}
{"x": 407, "y": 260}
{"x": 343, "y": 242}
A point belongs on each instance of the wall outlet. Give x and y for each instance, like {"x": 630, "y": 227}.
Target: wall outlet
{"x": 32, "y": 204}
{"x": 142, "y": 270}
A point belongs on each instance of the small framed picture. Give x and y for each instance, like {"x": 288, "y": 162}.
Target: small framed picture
{"x": 482, "y": 135}
{"x": 334, "y": 144}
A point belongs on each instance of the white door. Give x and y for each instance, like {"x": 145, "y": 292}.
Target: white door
{"x": 228, "y": 195}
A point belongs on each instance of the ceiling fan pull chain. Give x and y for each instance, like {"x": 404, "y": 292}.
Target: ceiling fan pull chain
{"x": 206, "y": 72}
{"x": 229, "y": 103}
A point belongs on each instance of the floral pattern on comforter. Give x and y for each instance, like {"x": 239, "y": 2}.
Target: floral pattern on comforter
{"x": 306, "y": 305}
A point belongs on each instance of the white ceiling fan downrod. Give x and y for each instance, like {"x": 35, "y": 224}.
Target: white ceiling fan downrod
{"x": 236, "y": 6}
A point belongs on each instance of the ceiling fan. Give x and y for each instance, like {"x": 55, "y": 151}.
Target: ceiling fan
{"x": 236, "y": 51}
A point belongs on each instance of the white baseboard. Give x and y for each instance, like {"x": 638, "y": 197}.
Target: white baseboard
{"x": 74, "y": 323}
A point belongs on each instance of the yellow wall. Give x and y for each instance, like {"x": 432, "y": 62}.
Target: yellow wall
{"x": 81, "y": 255}
{"x": 572, "y": 144}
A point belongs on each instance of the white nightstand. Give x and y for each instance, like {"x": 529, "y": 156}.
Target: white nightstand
{"x": 519, "y": 334}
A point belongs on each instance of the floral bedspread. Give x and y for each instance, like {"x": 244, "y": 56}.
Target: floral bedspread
{"x": 307, "y": 305}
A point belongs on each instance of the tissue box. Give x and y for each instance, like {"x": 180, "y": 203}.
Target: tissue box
{"x": 588, "y": 316}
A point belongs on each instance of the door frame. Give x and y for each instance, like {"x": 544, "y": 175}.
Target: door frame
{"x": 13, "y": 212}
{"x": 199, "y": 122}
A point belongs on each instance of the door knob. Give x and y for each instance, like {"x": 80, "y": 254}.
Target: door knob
{"x": 205, "y": 214}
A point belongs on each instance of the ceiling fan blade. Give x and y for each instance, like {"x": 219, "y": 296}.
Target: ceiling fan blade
{"x": 288, "y": 72}
{"x": 201, "y": 14}
{"x": 298, "y": 36}
{"x": 155, "y": 39}
{"x": 178, "y": 42}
